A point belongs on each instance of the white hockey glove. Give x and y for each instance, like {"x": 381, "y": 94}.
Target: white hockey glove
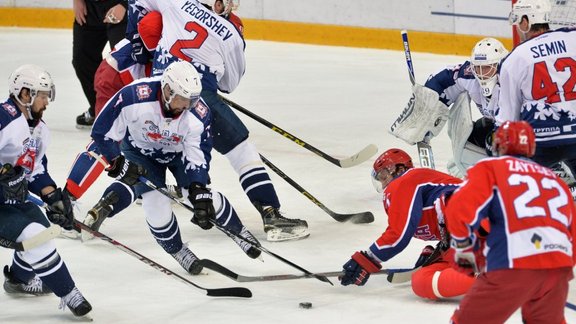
{"x": 424, "y": 114}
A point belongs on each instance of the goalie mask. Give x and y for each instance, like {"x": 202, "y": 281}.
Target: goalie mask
{"x": 486, "y": 56}
{"x": 181, "y": 87}
{"x": 36, "y": 80}
{"x": 391, "y": 164}
{"x": 515, "y": 138}
{"x": 537, "y": 11}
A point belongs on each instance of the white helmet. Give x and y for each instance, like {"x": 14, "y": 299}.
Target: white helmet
{"x": 31, "y": 77}
{"x": 183, "y": 80}
{"x": 486, "y": 56}
{"x": 537, "y": 11}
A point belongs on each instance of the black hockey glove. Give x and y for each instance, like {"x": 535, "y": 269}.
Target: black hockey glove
{"x": 358, "y": 269}
{"x": 125, "y": 171}
{"x": 139, "y": 52}
{"x": 13, "y": 184}
{"x": 201, "y": 199}
{"x": 60, "y": 211}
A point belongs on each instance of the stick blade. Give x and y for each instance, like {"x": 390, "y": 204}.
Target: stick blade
{"x": 359, "y": 157}
{"x": 229, "y": 292}
{"x": 401, "y": 276}
{"x": 358, "y": 218}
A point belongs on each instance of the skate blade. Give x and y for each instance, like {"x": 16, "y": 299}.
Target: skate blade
{"x": 295, "y": 233}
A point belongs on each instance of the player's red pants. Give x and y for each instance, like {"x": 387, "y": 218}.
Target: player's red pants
{"x": 107, "y": 82}
{"x": 439, "y": 280}
{"x": 496, "y": 295}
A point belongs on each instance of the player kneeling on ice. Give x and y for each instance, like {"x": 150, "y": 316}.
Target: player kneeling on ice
{"x": 24, "y": 138}
{"x": 413, "y": 199}
{"x": 529, "y": 253}
{"x": 150, "y": 126}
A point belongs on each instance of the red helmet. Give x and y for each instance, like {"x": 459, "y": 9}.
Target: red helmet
{"x": 515, "y": 138}
{"x": 389, "y": 162}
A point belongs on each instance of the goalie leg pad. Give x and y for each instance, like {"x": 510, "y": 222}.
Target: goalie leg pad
{"x": 424, "y": 115}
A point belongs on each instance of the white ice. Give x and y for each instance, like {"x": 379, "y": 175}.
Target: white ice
{"x": 336, "y": 99}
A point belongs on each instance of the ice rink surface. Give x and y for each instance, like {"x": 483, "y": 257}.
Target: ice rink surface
{"x": 336, "y": 99}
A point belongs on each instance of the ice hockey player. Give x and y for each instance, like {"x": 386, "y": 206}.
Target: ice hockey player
{"x": 536, "y": 84}
{"x": 447, "y": 95}
{"x": 217, "y": 52}
{"x": 413, "y": 199}
{"x": 151, "y": 126}
{"x": 23, "y": 143}
{"x": 527, "y": 258}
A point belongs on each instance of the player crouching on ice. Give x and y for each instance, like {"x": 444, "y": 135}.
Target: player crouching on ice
{"x": 151, "y": 126}
{"x": 413, "y": 199}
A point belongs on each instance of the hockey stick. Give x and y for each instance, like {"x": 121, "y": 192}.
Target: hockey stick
{"x": 424, "y": 148}
{"x": 353, "y": 160}
{"x": 231, "y": 234}
{"x": 209, "y": 264}
{"x": 46, "y": 235}
{"x": 406, "y": 275}
{"x": 358, "y": 218}
{"x": 218, "y": 292}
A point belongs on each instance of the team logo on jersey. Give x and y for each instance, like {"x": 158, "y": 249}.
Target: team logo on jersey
{"x": 10, "y": 109}
{"x": 143, "y": 91}
{"x": 536, "y": 240}
{"x": 201, "y": 109}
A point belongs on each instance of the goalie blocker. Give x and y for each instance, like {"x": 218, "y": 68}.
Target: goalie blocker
{"x": 424, "y": 116}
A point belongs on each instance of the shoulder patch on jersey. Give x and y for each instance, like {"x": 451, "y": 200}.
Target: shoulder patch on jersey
{"x": 143, "y": 91}
{"x": 201, "y": 109}
{"x": 10, "y": 109}
{"x": 118, "y": 101}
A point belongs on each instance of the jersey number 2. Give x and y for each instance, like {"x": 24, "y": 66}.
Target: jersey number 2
{"x": 194, "y": 43}
{"x": 544, "y": 87}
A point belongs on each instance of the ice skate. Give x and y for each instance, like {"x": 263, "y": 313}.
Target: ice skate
{"x": 98, "y": 214}
{"x": 188, "y": 260}
{"x": 279, "y": 228}
{"x": 85, "y": 120}
{"x": 245, "y": 245}
{"x": 77, "y": 304}
{"x": 34, "y": 287}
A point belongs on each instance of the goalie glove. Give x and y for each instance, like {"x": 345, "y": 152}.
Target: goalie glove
{"x": 424, "y": 115}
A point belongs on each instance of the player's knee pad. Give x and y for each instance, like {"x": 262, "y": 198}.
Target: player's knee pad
{"x": 244, "y": 157}
{"x": 39, "y": 253}
{"x": 157, "y": 208}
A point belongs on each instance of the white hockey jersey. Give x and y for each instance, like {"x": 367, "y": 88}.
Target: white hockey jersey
{"x": 24, "y": 145}
{"x": 193, "y": 33}
{"x": 537, "y": 84}
{"x": 452, "y": 81}
{"x": 135, "y": 115}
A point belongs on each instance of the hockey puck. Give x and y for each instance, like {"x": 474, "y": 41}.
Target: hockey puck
{"x": 305, "y": 305}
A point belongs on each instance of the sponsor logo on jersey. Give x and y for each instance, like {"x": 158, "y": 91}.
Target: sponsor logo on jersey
{"x": 143, "y": 91}
{"x": 10, "y": 109}
{"x": 536, "y": 240}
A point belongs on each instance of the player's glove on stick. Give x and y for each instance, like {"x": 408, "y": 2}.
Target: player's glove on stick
{"x": 201, "y": 199}
{"x": 358, "y": 269}
{"x": 126, "y": 171}
{"x": 13, "y": 184}
{"x": 60, "y": 211}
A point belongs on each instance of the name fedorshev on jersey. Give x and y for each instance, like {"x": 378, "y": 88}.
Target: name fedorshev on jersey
{"x": 207, "y": 18}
